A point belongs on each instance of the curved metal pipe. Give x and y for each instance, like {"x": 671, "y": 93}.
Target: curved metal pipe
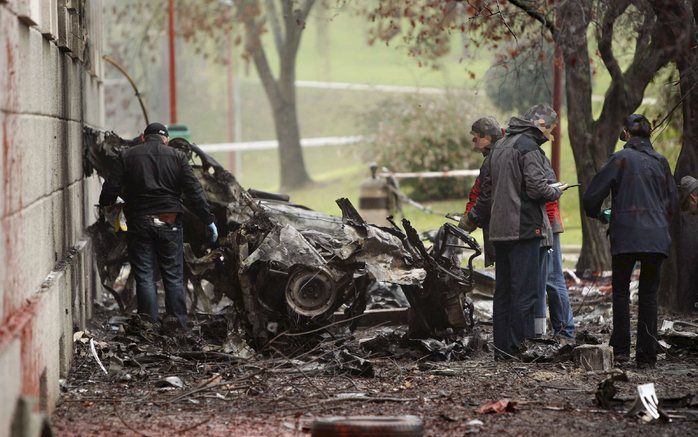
{"x": 133, "y": 84}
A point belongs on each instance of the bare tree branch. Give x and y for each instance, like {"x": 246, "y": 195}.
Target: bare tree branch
{"x": 273, "y": 17}
{"x": 256, "y": 49}
{"x": 528, "y": 8}
{"x": 295, "y": 21}
{"x": 625, "y": 93}
{"x": 645, "y": 29}
{"x": 305, "y": 9}
{"x": 605, "y": 37}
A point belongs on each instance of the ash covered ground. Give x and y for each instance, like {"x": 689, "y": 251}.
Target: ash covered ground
{"x": 228, "y": 389}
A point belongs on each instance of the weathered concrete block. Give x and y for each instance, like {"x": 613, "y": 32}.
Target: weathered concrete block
{"x": 594, "y": 357}
{"x": 45, "y": 202}
{"x": 35, "y": 66}
{"x": 29, "y": 252}
{"x": 93, "y": 188}
{"x": 10, "y": 383}
{"x": 48, "y": 157}
{"x": 66, "y": 314}
{"x": 27, "y": 11}
{"x": 49, "y": 19}
{"x": 94, "y": 101}
{"x": 95, "y": 38}
{"x": 8, "y": 58}
{"x": 46, "y": 81}
{"x": 65, "y": 17}
{"x": 48, "y": 329}
{"x": 42, "y": 79}
{"x": 11, "y": 164}
{"x": 2, "y": 231}
{"x": 39, "y": 236}
{"x": 73, "y": 210}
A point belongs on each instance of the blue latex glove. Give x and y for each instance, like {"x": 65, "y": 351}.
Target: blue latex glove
{"x": 214, "y": 232}
{"x": 606, "y": 216}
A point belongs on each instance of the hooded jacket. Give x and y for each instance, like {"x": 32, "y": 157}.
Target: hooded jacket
{"x": 643, "y": 194}
{"x": 515, "y": 186}
{"x": 472, "y": 199}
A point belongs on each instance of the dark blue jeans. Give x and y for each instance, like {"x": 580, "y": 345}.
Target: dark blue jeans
{"x": 650, "y": 268}
{"x": 150, "y": 246}
{"x": 553, "y": 285}
{"x": 561, "y": 317}
{"x": 516, "y": 289}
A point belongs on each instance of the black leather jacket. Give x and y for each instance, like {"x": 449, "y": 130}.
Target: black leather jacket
{"x": 151, "y": 178}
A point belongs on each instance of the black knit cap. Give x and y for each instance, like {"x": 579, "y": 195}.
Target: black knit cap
{"x": 637, "y": 125}
{"x": 156, "y": 129}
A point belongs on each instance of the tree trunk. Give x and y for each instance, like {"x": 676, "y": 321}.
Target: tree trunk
{"x": 588, "y": 152}
{"x": 281, "y": 93}
{"x": 679, "y": 288}
{"x": 595, "y": 256}
{"x": 291, "y": 162}
{"x": 592, "y": 140}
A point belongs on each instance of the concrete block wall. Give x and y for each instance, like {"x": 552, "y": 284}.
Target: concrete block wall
{"x": 50, "y": 87}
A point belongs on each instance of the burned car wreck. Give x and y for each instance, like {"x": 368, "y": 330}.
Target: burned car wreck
{"x": 287, "y": 268}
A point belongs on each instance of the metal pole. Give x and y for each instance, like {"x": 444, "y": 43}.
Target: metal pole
{"x": 137, "y": 93}
{"x": 173, "y": 68}
{"x": 231, "y": 109}
{"x": 557, "y": 106}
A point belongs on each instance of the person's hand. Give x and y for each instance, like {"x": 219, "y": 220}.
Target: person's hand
{"x": 214, "y": 232}
{"x": 466, "y": 224}
{"x": 605, "y": 216}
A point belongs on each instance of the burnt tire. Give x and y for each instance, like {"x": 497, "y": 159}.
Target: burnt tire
{"x": 368, "y": 426}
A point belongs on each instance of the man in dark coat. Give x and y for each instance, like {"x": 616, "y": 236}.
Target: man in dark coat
{"x": 511, "y": 205}
{"x": 643, "y": 198}
{"x": 151, "y": 177}
{"x": 486, "y": 132}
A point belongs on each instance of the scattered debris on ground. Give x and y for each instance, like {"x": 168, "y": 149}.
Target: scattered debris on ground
{"x": 235, "y": 390}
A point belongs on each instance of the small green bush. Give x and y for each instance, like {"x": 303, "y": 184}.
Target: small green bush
{"x": 419, "y": 133}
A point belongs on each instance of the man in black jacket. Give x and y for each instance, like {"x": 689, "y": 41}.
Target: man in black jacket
{"x": 643, "y": 199}
{"x": 151, "y": 178}
{"x": 515, "y": 186}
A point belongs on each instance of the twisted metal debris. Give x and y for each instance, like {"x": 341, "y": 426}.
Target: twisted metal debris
{"x": 287, "y": 268}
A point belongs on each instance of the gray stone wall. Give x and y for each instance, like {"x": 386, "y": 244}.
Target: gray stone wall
{"x": 50, "y": 87}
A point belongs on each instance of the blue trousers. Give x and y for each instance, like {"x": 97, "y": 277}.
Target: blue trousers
{"x": 650, "y": 268}
{"x": 151, "y": 246}
{"x": 553, "y": 285}
{"x": 516, "y": 286}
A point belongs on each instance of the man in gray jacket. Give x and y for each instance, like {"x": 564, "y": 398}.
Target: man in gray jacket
{"x": 514, "y": 190}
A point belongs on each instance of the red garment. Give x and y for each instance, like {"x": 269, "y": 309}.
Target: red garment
{"x": 553, "y": 210}
{"x": 473, "y": 195}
